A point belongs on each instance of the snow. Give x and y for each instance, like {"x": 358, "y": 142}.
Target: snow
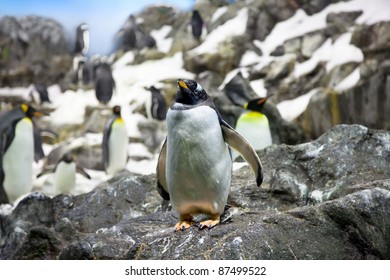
{"x": 350, "y": 81}
{"x": 290, "y": 109}
{"x": 233, "y": 27}
{"x": 300, "y": 23}
{"x": 218, "y": 13}
{"x": 258, "y": 87}
{"x": 334, "y": 54}
{"x": 163, "y": 43}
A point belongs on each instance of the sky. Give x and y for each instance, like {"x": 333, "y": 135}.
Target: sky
{"x": 104, "y": 17}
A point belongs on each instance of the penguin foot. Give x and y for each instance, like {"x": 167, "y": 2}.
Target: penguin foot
{"x": 184, "y": 223}
{"x": 212, "y": 222}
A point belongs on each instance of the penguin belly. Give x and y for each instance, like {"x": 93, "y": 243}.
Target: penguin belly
{"x": 18, "y": 161}
{"x": 64, "y": 178}
{"x": 117, "y": 148}
{"x": 198, "y": 163}
{"x": 254, "y": 127}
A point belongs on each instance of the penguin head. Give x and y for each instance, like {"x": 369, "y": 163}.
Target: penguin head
{"x": 116, "y": 110}
{"x": 68, "y": 157}
{"x": 83, "y": 26}
{"x": 256, "y": 104}
{"x": 30, "y": 111}
{"x": 190, "y": 92}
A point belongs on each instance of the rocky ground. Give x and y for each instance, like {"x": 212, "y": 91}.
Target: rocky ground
{"x": 327, "y": 199}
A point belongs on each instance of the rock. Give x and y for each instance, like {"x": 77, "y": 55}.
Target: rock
{"x": 34, "y": 49}
{"x": 367, "y": 103}
{"x": 372, "y": 39}
{"x": 332, "y": 194}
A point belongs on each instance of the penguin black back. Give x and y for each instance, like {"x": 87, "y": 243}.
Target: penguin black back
{"x": 104, "y": 83}
{"x": 196, "y": 24}
{"x": 158, "y": 107}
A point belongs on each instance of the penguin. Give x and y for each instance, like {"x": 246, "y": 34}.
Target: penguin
{"x": 82, "y": 39}
{"x": 39, "y": 94}
{"x": 127, "y": 34}
{"x": 254, "y": 125}
{"x": 16, "y": 152}
{"x": 157, "y": 109}
{"x": 115, "y": 143}
{"x": 196, "y": 24}
{"x": 194, "y": 166}
{"x": 65, "y": 174}
{"x": 104, "y": 83}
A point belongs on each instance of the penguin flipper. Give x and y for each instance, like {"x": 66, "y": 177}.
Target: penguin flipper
{"x": 83, "y": 172}
{"x": 46, "y": 171}
{"x": 241, "y": 145}
{"x": 161, "y": 179}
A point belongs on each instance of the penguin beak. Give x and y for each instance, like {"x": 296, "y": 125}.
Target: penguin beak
{"x": 182, "y": 84}
{"x": 39, "y": 114}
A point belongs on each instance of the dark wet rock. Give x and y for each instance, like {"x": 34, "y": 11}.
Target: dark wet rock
{"x": 373, "y": 40}
{"x": 332, "y": 194}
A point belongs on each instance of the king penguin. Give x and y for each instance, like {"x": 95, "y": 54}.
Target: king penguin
{"x": 115, "y": 143}
{"x": 16, "y": 152}
{"x": 65, "y": 174}
{"x": 194, "y": 166}
{"x": 254, "y": 125}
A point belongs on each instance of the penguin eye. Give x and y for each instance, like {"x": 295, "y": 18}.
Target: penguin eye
{"x": 199, "y": 88}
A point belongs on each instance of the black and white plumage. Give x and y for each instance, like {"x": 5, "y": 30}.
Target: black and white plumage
{"x": 195, "y": 166}
{"x": 39, "y": 94}
{"x": 196, "y": 24}
{"x": 82, "y": 39}
{"x": 16, "y": 152}
{"x": 157, "y": 107}
{"x": 115, "y": 143}
{"x": 65, "y": 174}
{"x": 104, "y": 83}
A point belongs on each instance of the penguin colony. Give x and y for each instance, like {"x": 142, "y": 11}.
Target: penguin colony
{"x": 194, "y": 167}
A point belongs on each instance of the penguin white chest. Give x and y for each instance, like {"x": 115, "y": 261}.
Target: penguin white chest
{"x": 198, "y": 163}
{"x": 18, "y": 160}
{"x": 254, "y": 127}
{"x": 117, "y": 148}
{"x": 64, "y": 178}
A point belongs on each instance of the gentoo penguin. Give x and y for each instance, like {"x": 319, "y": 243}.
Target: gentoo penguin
{"x": 104, "y": 83}
{"x": 194, "y": 166}
{"x": 82, "y": 39}
{"x": 157, "y": 109}
{"x": 115, "y": 143}
{"x": 65, "y": 174}
{"x": 196, "y": 24}
{"x": 254, "y": 125}
{"x": 16, "y": 152}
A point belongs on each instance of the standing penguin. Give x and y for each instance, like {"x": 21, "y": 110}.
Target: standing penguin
{"x": 104, "y": 83}
{"x": 82, "y": 39}
{"x": 254, "y": 125}
{"x": 65, "y": 174}
{"x": 39, "y": 94}
{"x": 157, "y": 109}
{"x": 16, "y": 152}
{"x": 196, "y": 24}
{"x": 194, "y": 166}
{"x": 127, "y": 34}
{"x": 115, "y": 143}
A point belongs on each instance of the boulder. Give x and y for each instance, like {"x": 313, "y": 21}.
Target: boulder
{"x": 332, "y": 194}
{"x": 33, "y": 49}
